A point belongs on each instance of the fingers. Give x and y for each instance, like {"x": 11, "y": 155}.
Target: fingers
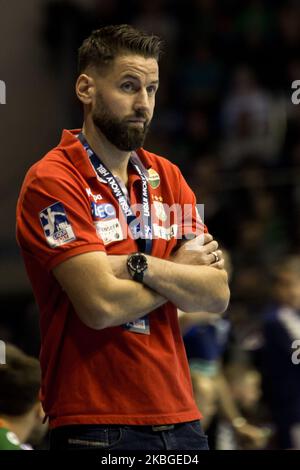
{"x": 202, "y": 240}
{"x": 220, "y": 262}
{"x": 211, "y": 246}
{"x": 207, "y": 237}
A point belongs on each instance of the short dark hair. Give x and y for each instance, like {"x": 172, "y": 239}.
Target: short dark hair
{"x": 106, "y": 43}
{"x": 20, "y": 379}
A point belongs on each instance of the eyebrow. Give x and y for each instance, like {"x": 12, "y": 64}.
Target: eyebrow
{"x": 133, "y": 77}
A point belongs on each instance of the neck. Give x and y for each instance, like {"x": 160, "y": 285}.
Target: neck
{"x": 114, "y": 159}
{"x": 19, "y": 425}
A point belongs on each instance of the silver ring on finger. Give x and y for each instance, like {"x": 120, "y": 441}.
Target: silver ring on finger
{"x": 216, "y": 256}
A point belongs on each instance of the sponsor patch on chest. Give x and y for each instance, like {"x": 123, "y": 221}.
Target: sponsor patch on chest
{"x": 103, "y": 211}
{"x": 109, "y": 230}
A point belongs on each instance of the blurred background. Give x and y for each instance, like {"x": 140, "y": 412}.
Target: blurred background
{"x": 224, "y": 114}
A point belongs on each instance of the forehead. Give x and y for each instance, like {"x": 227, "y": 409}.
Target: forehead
{"x": 135, "y": 65}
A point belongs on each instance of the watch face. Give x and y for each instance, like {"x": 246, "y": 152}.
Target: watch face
{"x": 138, "y": 263}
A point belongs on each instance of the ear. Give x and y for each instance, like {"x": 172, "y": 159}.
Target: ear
{"x": 85, "y": 88}
{"x": 38, "y": 411}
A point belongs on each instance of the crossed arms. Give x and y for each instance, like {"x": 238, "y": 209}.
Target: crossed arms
{"x": 103, "y": 295}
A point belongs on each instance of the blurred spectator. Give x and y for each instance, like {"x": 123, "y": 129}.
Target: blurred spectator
{"x": 206, "y": 339}
{"x": 206, "y": 396}
{"x": 240, "y": 393}
{"x": 223, "y": 403}
{"x": 281, "y": 375}
{"x": 253, "y": 121}
{"x": 20, "y": 409}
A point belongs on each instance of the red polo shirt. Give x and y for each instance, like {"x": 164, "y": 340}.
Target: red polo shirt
{"x": 110, "y": 376}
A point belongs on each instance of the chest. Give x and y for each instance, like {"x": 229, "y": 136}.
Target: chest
{"x": 121, "y": 234}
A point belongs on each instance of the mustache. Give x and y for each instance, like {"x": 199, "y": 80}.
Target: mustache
{"x": 139, "y": 115}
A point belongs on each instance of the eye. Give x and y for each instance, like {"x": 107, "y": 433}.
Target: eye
{"x": 152, "y": 89}
{"x": 128, "y": 86}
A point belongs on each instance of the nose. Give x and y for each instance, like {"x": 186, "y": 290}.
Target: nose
{"x": 142, "y": 101}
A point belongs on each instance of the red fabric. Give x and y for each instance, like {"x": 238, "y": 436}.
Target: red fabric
{"x": 110, "y": 376}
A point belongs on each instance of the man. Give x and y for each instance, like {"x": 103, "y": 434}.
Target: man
{"x": 20, "y": 408}
{"x": 107, "y": 277}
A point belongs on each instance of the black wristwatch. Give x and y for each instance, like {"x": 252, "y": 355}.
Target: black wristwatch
{"x": 137, "y": 265}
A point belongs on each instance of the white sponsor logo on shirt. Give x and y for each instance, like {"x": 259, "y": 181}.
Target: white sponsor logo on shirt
{"x": 109, "y": 230}
{"x": 96, "y": 197}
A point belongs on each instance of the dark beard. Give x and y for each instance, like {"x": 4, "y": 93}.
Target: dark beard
{"x": 119, "y": 132}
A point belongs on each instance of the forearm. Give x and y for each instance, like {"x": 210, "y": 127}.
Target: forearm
{"x": 190, "y": 287}
{"x": 131, "y": 301}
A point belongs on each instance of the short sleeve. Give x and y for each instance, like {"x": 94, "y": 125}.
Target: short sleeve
{"x": 54, "y": 220}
